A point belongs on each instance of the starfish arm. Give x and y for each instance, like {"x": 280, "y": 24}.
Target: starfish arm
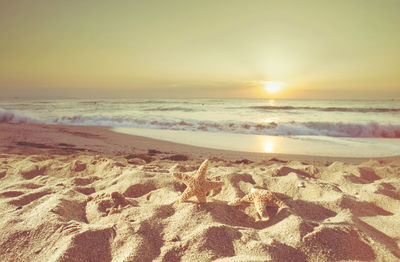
{"x": 184, "y": 178}
{"x": 201, "y": 198}
{"x": 188, "y": 180}
{"x": 235, "y": 202}
{"x": 188, "y": 193}
{"x": 260, "y": 208}
{"x": 249, "y": 197}
{"x": 178, "y": 176}
{"x": 279, "y": 203}
{"x": 201, "y": 172}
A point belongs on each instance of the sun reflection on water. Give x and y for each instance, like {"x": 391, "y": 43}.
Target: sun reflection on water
{"x": 268, "y": 120}
{"x": 268, "y": 145}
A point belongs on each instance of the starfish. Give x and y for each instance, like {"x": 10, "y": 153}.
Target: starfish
{"x": 197, "y": 185}
{"x": 261, "y": 199}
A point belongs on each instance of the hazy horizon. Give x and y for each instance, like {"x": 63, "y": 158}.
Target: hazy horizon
{"x": 208, "y": 49}
{"x": 91, "y": 93}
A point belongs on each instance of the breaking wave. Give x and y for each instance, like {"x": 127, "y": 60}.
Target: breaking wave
{"x": 182, "y": 109}
{"x": 333, "y": 129}
{"x": 329, "y": 109}
{"x": 340, "y": 129}
{"x": 11, "y": 116}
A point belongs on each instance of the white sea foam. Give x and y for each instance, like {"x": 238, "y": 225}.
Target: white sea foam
{"x": 241, "y": 116}
{"x": 12, "y": 116}
{"x": 338, "y": 129}
{"x": 329, "y": 109}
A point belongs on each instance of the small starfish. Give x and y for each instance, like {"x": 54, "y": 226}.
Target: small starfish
{"x": 261, "y": 199}
{"x": 197, "y": 185}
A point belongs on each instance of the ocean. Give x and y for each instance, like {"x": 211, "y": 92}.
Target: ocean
{"x": 316, "y": 120}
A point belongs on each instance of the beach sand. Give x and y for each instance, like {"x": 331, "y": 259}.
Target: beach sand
{"x": 75, "y": 193}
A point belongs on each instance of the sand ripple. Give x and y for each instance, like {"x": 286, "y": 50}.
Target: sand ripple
{"x": 87, "y": 207}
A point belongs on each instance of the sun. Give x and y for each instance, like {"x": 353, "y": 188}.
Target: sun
{"x": 273, "y": 87}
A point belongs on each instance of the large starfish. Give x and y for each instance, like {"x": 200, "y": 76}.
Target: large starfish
{"x": 197, "y": 185}
{"x": 261, "y": 199}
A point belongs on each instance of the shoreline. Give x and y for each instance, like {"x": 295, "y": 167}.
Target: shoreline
{"x": 104, "y": 140}
{"x": 325, "y": 146}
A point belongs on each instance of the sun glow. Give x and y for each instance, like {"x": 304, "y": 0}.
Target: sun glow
{"x": 268, "y": 145}
{"x": 272, "y": 87}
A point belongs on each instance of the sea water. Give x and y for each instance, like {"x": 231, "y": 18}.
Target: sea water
{"x": 339, "y": 127}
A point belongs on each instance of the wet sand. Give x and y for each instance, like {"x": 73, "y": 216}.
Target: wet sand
{"x": 283, "y": 145}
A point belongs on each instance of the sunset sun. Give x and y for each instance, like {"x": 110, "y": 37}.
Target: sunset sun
{"x": 272, "y": 87}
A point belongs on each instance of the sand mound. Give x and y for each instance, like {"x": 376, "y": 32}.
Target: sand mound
{"x": 87, "y": 207}
{"x": 337, "y": 242}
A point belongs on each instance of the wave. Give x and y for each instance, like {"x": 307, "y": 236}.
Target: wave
{"x": 10, "y": 116}
{"x": 371, "y": 129}
{"x": 127, "y": 102}
{"x": 332, "y": 129}
{"x": 330, "y": 109}
{"x": 183, "y": 109}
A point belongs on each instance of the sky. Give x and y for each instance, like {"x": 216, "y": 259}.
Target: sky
{"x": 317, "y": 49}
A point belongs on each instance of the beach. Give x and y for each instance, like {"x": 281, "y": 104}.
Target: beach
{"x": 86, "y": 193}
{"x": 227, "y": 131}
